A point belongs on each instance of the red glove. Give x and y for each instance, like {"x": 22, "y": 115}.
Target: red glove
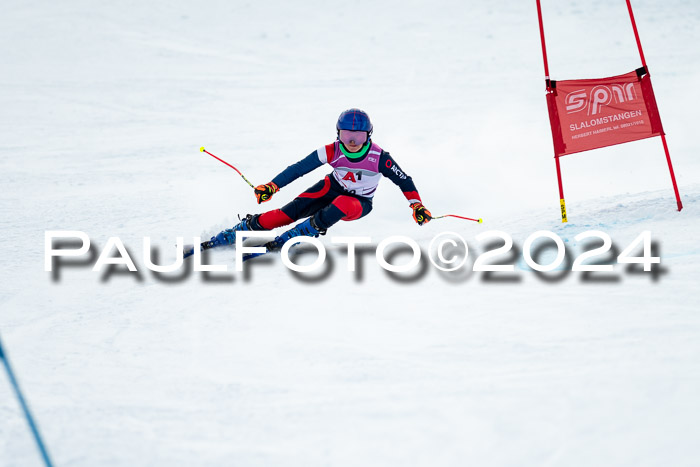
{"x": 264, "y": 192}
{"x": 420, "y": 214}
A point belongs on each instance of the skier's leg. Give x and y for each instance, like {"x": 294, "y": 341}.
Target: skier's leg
{"x": 343, "y": 207}
{"x": 303, "y": 205}
{"x": 307, "y": 203}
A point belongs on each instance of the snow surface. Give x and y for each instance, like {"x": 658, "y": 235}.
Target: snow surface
{"x": 105, "y": 105}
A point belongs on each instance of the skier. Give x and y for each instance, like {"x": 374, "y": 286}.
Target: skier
{"x": 344, "y": 194}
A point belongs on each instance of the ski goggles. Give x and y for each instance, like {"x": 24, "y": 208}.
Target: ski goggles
{"x": 352, "y": 137}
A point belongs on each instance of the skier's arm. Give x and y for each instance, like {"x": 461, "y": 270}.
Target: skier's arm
{"x": 264, "y": 192}
{"x": 390, "y": 169}
{"x": 298, "y": 169}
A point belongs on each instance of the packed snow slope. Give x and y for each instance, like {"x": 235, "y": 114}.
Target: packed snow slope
{"x": 105, "y": 106}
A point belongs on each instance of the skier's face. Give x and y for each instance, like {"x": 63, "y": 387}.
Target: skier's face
{"x": 353, "y": 140}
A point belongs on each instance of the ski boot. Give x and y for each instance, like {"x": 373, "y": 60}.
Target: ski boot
{"x": 226, "y": 237}
{"x": 307, "y": 228}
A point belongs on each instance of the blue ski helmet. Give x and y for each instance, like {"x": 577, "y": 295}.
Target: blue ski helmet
{"x": 354, "y": 120}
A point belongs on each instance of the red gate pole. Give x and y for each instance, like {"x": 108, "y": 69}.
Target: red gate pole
{"x": 562, "y": 203}
{"x": 544, "y": 47}
{"x": 663, "y": 136}
{"x": 673, "y": 176}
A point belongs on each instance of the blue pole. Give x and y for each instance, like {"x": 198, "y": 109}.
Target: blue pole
{"x": 25, "y": 408}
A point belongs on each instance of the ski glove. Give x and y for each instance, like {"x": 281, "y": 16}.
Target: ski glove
{"x": 420, "y": 214}
{"x": 264, "y": 192}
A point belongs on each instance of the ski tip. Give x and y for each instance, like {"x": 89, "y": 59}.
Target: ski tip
{"x": 201, "y": 149}
{"x": 187, "y": 251}
{"x": 481, "y": 221}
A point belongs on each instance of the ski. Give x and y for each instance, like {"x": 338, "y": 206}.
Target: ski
{"x": 227, "y": 237}
{"x": 188, "y": 250}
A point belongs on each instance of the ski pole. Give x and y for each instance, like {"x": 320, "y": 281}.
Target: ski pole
{"x": 479, "y": 220}
{"x": 25, "y": 408}
{"x": 221, "y": 160}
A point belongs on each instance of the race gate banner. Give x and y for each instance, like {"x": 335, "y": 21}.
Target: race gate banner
{"x": 594, "y": 113}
